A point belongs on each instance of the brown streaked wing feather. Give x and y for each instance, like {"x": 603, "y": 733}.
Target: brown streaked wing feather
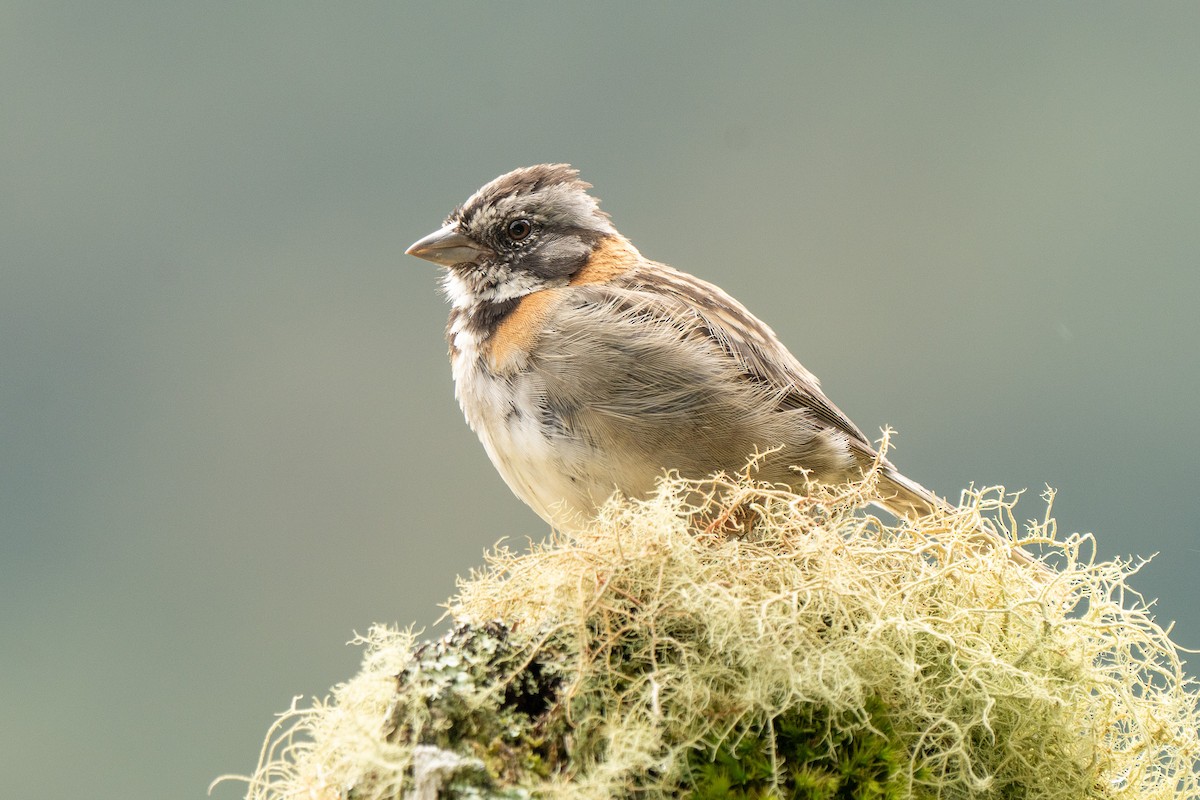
{"x": 752, "y": 344}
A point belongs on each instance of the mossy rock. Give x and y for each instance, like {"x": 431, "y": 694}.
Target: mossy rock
{"x": 809, "y": 652}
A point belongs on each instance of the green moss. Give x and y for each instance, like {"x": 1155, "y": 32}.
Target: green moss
{"x": 821, "y": 759}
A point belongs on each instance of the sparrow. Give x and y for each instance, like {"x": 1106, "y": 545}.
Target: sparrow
{"x": 586, "y": 369}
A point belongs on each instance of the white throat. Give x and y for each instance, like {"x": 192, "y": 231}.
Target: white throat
{"x": 465, "y": 295}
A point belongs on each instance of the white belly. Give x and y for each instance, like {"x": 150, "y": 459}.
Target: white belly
{"x": 546, "y": 469}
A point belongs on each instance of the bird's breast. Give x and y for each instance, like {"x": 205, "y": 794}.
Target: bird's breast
{"x": 505, "y": 404}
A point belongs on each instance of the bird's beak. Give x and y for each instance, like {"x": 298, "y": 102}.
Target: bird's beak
{"x": 448, "y": 246}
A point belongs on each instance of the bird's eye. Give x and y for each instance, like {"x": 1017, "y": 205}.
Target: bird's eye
{"x": 519, "y": 229}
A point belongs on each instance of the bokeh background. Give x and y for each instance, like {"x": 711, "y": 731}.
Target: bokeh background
{"x": 228, "y": 437}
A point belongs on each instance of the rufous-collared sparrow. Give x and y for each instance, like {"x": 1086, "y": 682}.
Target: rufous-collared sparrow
{"x": 587, "y": 369}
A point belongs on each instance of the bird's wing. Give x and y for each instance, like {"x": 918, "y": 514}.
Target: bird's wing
{"x": 750, "y": 343}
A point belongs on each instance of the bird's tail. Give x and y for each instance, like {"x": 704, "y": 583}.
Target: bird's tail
{"x": 909, "y": 499}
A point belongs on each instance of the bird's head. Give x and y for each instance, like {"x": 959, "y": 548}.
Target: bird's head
{"x": 529, "y": 229}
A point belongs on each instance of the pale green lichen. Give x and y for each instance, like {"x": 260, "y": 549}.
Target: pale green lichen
{"x": 812, "y": 653}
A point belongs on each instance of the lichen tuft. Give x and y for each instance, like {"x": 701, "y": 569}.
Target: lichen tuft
{"x": 728, "y": 639}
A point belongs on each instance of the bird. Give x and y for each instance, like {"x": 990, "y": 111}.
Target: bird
{"x": 587, "y": 369}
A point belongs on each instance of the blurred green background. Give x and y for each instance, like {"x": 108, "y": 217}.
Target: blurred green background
{"x": 228, "y": 437}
